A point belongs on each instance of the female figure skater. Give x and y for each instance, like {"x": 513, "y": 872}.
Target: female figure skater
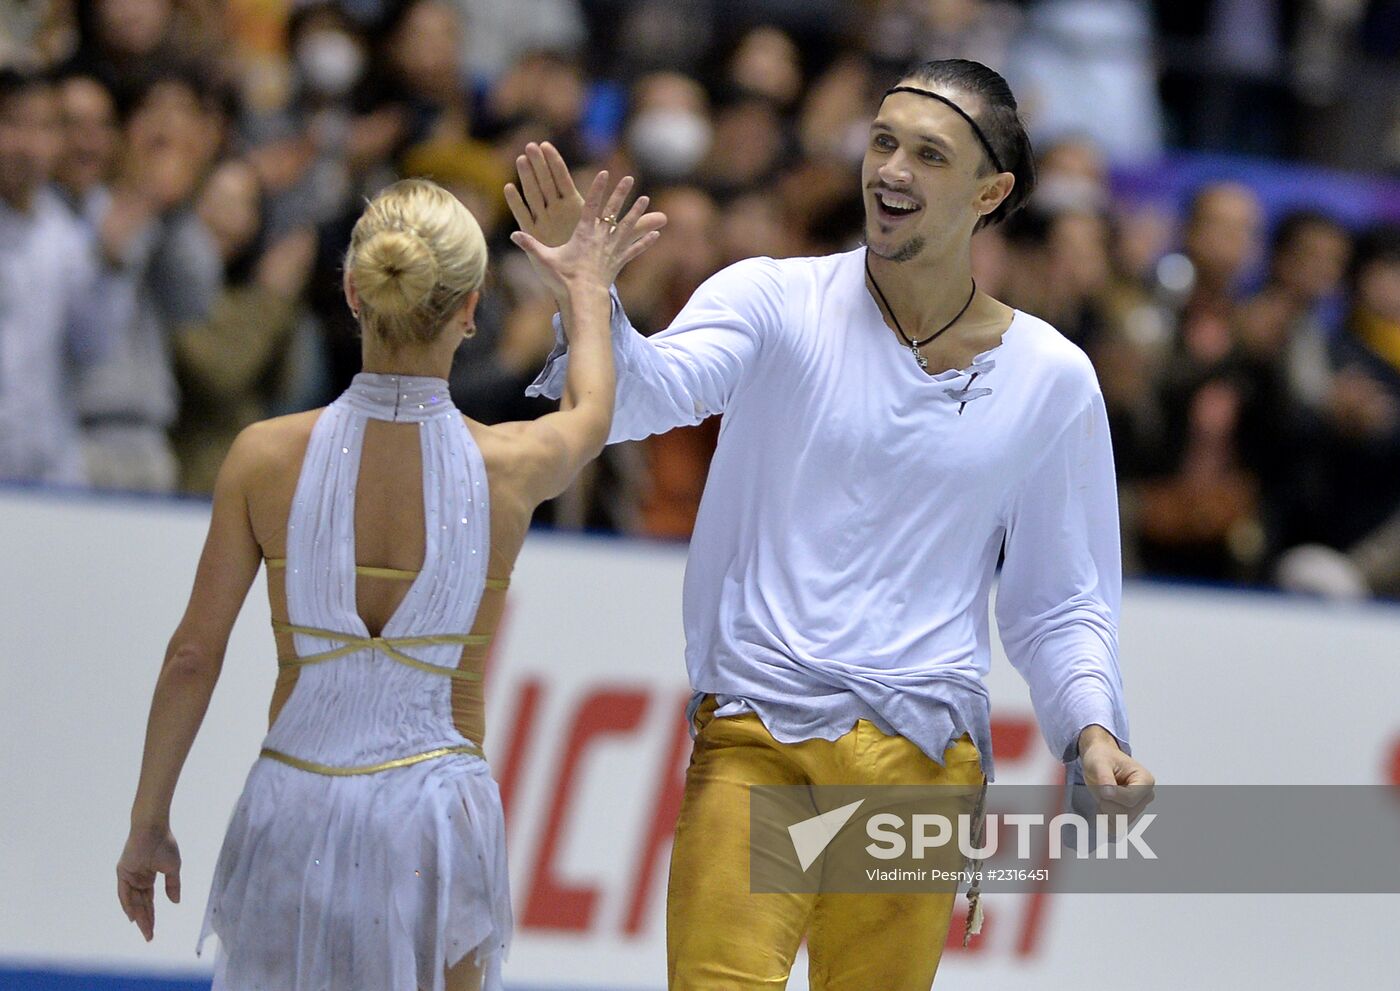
{"x": 366, "y": 852}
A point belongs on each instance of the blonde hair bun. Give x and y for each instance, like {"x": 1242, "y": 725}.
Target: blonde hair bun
{"x": 394, "y": 272}
{"x": 415, "y": 256}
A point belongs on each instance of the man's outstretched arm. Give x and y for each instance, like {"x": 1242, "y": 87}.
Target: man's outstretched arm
{"x": 683, "y": 374}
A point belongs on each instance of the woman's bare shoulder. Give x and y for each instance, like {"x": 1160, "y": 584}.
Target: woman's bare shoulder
{"x": 504, "y": 448}
{"x": 500, "y": 439}
{"x": 272, "y": 445}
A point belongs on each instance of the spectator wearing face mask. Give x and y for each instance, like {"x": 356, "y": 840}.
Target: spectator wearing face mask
{"x": 53, "y": 300}
{"x": 312, "y": 153}
{"x": 669, "y": 132}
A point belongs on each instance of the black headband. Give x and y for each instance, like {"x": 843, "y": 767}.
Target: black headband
{"x": 987, "y": 145}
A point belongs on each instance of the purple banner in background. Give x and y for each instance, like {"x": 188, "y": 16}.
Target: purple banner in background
{"x": 1356, "y": 200}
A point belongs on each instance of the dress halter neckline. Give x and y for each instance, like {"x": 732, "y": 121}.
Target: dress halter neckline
{"x": 399, "y": 398}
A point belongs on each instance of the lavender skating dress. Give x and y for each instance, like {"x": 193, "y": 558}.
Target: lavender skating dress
{"x": 367, "y": 851}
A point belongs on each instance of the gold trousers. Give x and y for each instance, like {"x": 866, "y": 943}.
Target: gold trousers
{"x": 721, "y": 937}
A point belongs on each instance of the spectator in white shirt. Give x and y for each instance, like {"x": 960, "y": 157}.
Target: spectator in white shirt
{"x": 51, "y": 302}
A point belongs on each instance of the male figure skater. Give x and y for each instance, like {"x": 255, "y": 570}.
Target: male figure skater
{"x": 888, "y": 430}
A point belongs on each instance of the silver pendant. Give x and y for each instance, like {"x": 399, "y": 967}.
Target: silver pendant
{"x": 919, "y": 357}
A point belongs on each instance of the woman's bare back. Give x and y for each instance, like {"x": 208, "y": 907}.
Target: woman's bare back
{"x": 389, "y": 529}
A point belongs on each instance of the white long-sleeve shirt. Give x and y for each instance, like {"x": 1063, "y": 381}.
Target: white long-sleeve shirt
{"x": 849, "y": 532}
{"x": 58, "y": 307}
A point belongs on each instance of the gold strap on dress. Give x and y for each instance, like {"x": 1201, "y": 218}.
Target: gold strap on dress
{"x": 397, "y": 573}
{"x": 495, "y": 584}
{"x": 388, "y": 765}
{"x": 350, "y": 643}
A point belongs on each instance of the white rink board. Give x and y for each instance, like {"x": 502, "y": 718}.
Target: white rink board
{"x": 585, "y": 730}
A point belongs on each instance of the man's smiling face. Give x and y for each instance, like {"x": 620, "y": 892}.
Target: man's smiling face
{"x": 921, "y": 176}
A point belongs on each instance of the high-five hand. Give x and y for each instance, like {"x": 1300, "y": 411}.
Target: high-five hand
{"x": 550, "y": 205}
{"x": 602, "y": 243}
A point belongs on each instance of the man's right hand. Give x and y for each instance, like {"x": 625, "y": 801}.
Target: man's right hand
{"x": 603, "y": 241}
{"x": 547, "y": 205}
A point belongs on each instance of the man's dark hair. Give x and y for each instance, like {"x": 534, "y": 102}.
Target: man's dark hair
{"x": 1294, "y": 222}
{"x": 207, "y": 93}
{"x": 16, "y": 83}
{"x": 997, "y": 116}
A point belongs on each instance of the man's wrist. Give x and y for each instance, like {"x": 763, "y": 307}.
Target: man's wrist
{"x": 1094, "y": 734}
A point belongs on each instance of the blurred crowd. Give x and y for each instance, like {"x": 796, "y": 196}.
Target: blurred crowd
{"x": 178, "y": 180}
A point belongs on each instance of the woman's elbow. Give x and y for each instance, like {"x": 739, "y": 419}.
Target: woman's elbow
{"x": 189, "y": 662}
{"x": 599, "y": 427}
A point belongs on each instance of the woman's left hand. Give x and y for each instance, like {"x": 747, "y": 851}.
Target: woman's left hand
{"x": 602, "y": 243}
{"x": 148, "y": 852}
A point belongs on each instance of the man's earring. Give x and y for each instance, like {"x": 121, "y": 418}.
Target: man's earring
{"x": 469, "y": 332}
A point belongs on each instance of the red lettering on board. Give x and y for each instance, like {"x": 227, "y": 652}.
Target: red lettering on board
{"x": 518, "y": 741}
{"x": 670, "y": 786}
{"x": 551, "y": 903}
{"x": 1011, "y": 738}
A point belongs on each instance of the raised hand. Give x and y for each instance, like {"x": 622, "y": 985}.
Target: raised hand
{"x": 148, "y": 852}
{"x": 550, "y": 205}
{"x": 602, "y": 243}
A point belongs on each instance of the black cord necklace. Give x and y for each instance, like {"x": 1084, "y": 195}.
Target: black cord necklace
{"x": 912, "y": 344}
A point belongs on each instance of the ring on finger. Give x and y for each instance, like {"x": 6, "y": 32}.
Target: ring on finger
{"x": 610, "y": 220}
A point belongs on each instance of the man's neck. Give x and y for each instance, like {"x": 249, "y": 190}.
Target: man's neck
{"x": 924, "y": 292}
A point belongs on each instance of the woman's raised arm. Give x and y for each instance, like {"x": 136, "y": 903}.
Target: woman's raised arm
{"x": 579, "y": 273}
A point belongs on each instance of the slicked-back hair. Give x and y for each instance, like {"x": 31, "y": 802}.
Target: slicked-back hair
{"x": 996, "y": 114}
